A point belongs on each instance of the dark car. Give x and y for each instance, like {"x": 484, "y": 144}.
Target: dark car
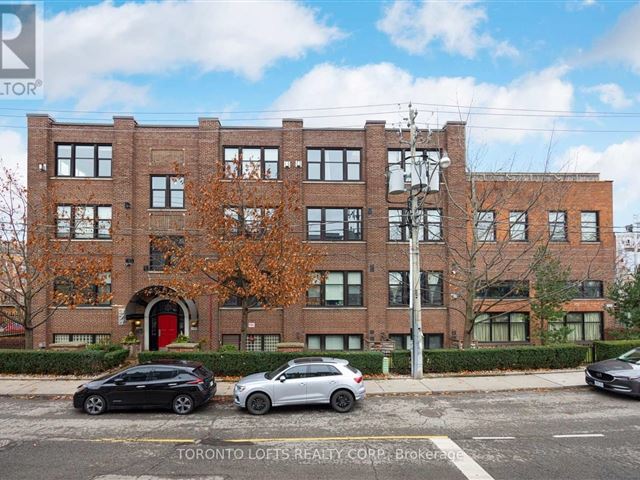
{"x": 180, "y": 386}
{"x": 621, "y": 375}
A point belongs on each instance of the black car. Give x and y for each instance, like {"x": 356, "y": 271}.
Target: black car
{"x": 621, "y": 375}
{"x": 179, "y": 385}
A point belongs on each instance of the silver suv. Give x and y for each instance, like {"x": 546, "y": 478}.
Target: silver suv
{"x": 301, "y": 381}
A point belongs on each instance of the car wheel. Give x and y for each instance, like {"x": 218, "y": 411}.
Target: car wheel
{"x": 258, "y": 404}
{"x": 183, "y": 404}
{"x": 95, "y": 405}
{"x": 342, "y": 401}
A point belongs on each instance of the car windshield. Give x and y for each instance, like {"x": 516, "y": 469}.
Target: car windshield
{"x": 276, "y": 372}
{"x": 632, "y": 356}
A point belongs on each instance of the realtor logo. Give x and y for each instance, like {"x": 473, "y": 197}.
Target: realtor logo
{"x": 18, "y": 41}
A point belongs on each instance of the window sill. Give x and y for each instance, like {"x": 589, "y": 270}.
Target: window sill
{"x": 439, "y": 307}
{"x": 102, "y": 179}
{"x": 166, "y": 210}
{"x": 84, "y": 307}
{"x": 340, "y": 242}
{"x": 253, "y": 309}
{"x": 254, "y": 180}
{"x": 102, "y": 240}
{"x": 342, "y": 307}
{"x": 335, "y": 182}
{"x": 590, "y": 242}
{"x": 422, "y": 242}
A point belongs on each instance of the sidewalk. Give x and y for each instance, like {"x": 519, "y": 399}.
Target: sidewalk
{"x": 495, "y": 383}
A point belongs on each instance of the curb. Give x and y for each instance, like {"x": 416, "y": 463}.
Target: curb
{"x": 68, "y": 396}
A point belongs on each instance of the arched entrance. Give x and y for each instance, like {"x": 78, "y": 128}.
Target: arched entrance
{"x": 161, "y": 315}
{"x": 166, "y": 321}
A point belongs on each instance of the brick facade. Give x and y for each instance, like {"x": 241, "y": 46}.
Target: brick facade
{"x": 140, "y": 151}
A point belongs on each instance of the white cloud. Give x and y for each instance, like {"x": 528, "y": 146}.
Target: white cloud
{"x": 621, "y": 42}
{"x": 414, "y": 26}
{"x": 380, "y": 83}
{"x": 617, "y": 162}
{"x": 89, "y": 45}
{"x": 611, "y": 94}
{"x": 13, "y": 152}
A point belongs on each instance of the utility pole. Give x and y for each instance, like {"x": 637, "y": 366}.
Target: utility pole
{"x": 415, "y": 221}
{"x": 423, "y": 169}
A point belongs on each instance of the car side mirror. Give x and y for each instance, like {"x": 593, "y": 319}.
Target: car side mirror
{"x": 282, "y": 378}
{"x": 118, "y": 381}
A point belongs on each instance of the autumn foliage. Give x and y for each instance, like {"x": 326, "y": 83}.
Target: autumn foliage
{"x": 33, "y": 260}
{"x": 242, "y": 243}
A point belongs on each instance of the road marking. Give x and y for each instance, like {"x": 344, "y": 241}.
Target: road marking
{"x": 145, "y": 440}
{"x": 494, "y": 438}
{"x": 333, "y": 439}
{"x": 461, "y": 460}
{"x": 579, "y": 435}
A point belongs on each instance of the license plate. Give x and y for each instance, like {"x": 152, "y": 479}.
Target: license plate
{"x": 598, "y": 384}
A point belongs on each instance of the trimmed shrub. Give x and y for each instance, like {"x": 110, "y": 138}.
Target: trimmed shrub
{"x": 508, "y": 358}
{"x": 245, "y": 363}
{"x": 613, "y": 348}
{"x": 48, "y": 362}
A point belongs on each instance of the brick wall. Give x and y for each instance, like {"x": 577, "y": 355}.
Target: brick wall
{"x": 140, "y": 151}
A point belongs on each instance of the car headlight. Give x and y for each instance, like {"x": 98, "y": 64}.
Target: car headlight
{"x": 622, "y": 378}
{"x": 240, "y": 388}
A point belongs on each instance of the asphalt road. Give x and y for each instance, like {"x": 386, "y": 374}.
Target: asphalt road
{"x": 570, "y": 434}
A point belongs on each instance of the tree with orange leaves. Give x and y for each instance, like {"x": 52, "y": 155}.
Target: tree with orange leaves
{"x": 33, "y": 260}
{"x": 241, "y": 243}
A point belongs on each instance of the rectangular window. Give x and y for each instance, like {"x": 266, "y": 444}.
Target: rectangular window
{"x": 94, "y": 296}
{"x": 84, "y": 222}
{"x": 589, "y": 226}
{"x": 590, "y": 289}
{"x": 518, "y": 226}
{"x": 334, "y": 342}
{"x": 429, "y": 160}
{"x": 501, "y": 327}
{"x": 584, "y": 326}
{"x": 260, "y": 162}
{"x": 262, "y": 343}
{"x": 81, "y": 337}
{"x": 335, "y": 289}
{"x": 334, "y": 224}
{"x": 430, "y": 228}
{"x": 505, "y": 289}
{"x": 251, "y": 222}
{"x": 167, "y": 191}
{"x": 432, "y": 341}
{"x": 558, "y": 226}
{"x": 157, "y": 255}
{"x": 486, "y": 226}
{"x": 430, "y": 289}
{"x": 83, "y": 160}
{"x": 333, "y": 165}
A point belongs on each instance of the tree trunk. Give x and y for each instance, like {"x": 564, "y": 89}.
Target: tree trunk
{"x": 468, "y": 325}
{"x": 243, "y": 327}
{"x": 28, "y": 338}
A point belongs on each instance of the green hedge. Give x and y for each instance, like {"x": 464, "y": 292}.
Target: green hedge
{"x": 245, "y": 363}
{"x": 50, "y": 362}
{"x": 613, "y": 348}
{"x": 508, "y": 358}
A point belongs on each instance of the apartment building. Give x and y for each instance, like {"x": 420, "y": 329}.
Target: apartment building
{"x": 116, "y": 186}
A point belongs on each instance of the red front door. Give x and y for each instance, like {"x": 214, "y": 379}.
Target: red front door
{"x": 167, "y": 328}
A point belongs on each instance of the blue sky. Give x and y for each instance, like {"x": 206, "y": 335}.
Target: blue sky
{"x": 524, "y": 69}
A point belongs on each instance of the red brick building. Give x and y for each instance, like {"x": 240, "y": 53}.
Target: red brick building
{"x": 121, "y": 175}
